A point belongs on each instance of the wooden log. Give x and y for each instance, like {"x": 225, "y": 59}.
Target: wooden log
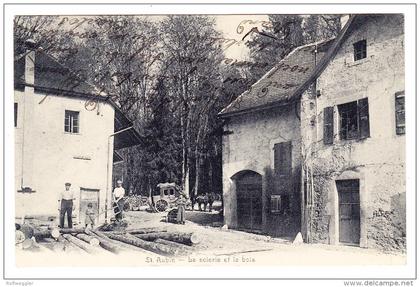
{"x": 54, "y": 244}
{"x": 68, "y": 246}
{"x": 145, "y": 230}
{"x": 183, "y": 238}
{"x": 89, "y": 239}
{"x": 106, "y": 244}
{"x": 19, "y": 237}
{"x": 55, "y": 233}
{"x": 71, "y": 230}
{"x": 123, "y": 246}
{"x": 150, "y": 246}
{"x": 80, "y": 243}
{"x": 41, "y": 234}
{"x": 183, "y": 249}
{"x": 28, "y": 231}
{"x": 28, "y": 243}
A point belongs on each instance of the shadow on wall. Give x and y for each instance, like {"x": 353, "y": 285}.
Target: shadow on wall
{"x": 283, "y": 219}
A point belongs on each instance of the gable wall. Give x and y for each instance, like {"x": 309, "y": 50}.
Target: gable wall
{"x": 52, "y": 157}
{"x": 379, "y": 161}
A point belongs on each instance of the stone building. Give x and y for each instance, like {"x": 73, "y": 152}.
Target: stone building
{"x": 65, "y": 131}
{"x": 320, "y": 141}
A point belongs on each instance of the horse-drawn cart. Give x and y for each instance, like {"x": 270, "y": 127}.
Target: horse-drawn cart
{"x": 165, "y": 196}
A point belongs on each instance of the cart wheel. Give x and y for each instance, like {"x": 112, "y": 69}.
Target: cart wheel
{"x": 161, "y": 205}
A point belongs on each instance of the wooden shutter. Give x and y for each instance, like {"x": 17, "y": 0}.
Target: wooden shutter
{"x": 283, "y": 158}
{"x": 400, "y": 113}
{"x": 328, "y": 125}
{"x": 283, "y": 167}
{"x": 363, "y": 114}
{"x": 16, "y": 113}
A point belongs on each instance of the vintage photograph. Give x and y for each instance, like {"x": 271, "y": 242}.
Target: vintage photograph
{"x": 210, "y": 140}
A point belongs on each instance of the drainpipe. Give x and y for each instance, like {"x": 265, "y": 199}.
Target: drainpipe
{"x": 109, "y": 171}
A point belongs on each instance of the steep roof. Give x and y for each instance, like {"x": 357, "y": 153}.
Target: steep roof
{"x": 289, "y": 78}
{"x": 53, "y": 77}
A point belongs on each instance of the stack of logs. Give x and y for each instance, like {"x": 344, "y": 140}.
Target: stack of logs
{"x": 92, "y": 241}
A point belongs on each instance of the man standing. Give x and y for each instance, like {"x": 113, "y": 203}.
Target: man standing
{"x": 119, "y": 193}
{"x": 66, "y": 205}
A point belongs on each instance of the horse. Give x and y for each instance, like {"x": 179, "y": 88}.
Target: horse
{"x": 204, "y": 199}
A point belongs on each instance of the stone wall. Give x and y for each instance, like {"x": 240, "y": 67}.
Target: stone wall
{"x": 379, "y": 160}
{"x": 250, "y": 147}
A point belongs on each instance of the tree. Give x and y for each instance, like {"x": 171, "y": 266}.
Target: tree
{"x": 162, "y": 144}
{"x": 287, "y": 33}
{"x": 54, "y": 41}
{"x": 192, "y": 63}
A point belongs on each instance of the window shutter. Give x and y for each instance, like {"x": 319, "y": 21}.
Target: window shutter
{"x": 328, "y": 125}
{"x": 400, "y": 113}
{"x": 363, "y": 113}
{"x": 283, "y": 167}
{"x": 16, "y": 113}
{"x": 283, "y": 158}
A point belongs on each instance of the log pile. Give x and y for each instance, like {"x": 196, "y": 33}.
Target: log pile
{"x": 92, "y": 241}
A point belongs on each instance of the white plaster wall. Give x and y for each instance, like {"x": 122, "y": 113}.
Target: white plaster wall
{"x": 54, "y": 150}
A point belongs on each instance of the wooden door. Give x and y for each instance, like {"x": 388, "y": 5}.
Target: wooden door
{"x": 249, "y": 201}
{"x": 349, "y": 211}
{"x": 88, "y": 195}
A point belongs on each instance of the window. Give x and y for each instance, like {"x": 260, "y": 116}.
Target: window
{"x": 16, "y": 113}
{"x": 71, "y": 122}
{"x": 360, "y": 50}
{"x": 279, "y": 203}
{"x": 348, "y": 121}
{"x": 354, "y": 120}
{"x": 400, "y": 112}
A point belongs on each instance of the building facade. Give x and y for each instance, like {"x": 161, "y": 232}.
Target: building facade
{"x": 353, "y": 127}
{"x": 332, "y": 115}
{"x": 65, "y": 131}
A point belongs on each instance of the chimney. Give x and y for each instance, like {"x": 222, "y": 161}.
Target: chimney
{"x": 343, "y": 20}
{"x": 30, "y": 62}
{"x": 28, "y": 104}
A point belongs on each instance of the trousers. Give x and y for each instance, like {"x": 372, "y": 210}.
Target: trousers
{"x": 66, "y": 207}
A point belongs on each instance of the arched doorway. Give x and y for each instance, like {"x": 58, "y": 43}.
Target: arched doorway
{"x": 249, "y": 200}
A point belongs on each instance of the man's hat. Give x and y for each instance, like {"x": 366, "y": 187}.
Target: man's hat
{"x": 67, "y": 184}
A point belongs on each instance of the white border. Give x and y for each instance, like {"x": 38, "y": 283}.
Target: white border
{"x": 209, "y": 272}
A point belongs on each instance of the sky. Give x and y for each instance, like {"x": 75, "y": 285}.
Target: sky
{"x": 228, "y": 25}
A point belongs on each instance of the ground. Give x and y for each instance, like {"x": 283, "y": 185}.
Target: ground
{"x": 217, "y": 241}
{"x": 223, "y": 246}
